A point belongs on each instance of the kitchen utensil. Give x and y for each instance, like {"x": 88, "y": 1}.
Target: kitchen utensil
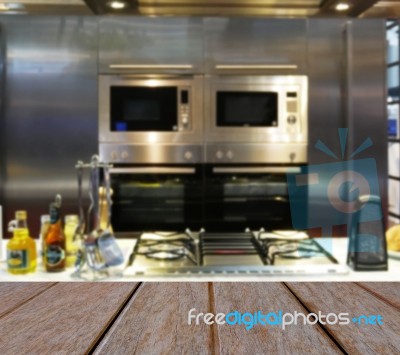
{"x": 80, "y": 229}
{"x": 106, "y": 242}
{"x": 93, "y": 257}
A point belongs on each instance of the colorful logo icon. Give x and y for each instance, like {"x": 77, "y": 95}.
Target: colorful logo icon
{"x": 326, "y": 195}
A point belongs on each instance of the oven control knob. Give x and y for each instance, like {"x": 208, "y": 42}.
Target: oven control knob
{"x": 114, "y": 155}
{"x": 188, "y": 155}
{"x": 219, "y": 154}
{"x": 292, "y": 119}
{"x": 229, "y": 154}
{"x": 124, "y": 155}
{"x": 185, "y": 120}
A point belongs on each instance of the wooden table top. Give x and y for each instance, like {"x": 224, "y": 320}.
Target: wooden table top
{"x": 148, "y": 318}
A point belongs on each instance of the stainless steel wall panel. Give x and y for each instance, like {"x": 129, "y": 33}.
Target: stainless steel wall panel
{"x": 325, "y": 55}
{"x": 254, "y": 41}
{"x": 368, "y": 95}
{"x": 144, "y": 41}
{"x": 327, "y": 62}
{"x": 2, "y": 112}
{"x": 50, "y": 111}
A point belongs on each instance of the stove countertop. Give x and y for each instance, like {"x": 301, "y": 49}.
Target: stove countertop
{"x": 338, "y": 247}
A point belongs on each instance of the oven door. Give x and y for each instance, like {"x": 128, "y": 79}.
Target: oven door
{"x": 153, "y": 109}
{"x": 156, "y": 198}
{"x": 256, "y": 109}
{"x": 240, "y": 197}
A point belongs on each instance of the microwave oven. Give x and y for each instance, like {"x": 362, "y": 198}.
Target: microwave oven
{"x": 256, "y": 118}
{"x": 150, "y": 119}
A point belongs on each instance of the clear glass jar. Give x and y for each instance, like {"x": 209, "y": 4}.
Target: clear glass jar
{"x": 71, "y": 246}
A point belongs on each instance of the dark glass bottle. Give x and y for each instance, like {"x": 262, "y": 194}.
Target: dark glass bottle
{"x": 54, "y": 255}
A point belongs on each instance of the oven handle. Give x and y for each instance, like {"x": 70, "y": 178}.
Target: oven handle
{"x": 257, "y": 170}
{"x": 151, "y": 66}
{"x": 255, "y": 66}
{"x": 152, "y": 170}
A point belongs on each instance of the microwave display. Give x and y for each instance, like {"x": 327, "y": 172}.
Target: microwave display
{"x": 247, "y": 109}
{"x": 137, "y": 108}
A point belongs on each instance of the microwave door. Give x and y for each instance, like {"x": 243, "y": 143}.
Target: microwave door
{"x": 141, "y": 109}
{"x": 247, "y": 109}
{"x": 251, "y": 109}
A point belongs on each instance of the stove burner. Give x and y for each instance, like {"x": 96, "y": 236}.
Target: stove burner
{"x": 162, "y": 255}
{"x": 291, "y": 250}
{"x": 167, "y": 246}
{"x": 289, "y": 245}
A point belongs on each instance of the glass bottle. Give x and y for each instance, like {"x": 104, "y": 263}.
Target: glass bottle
{"x": 21, "y": 249}
{"x": 104, "y": 208}
{"x": 71, "y": 245}
{"x": 54, "y": 256}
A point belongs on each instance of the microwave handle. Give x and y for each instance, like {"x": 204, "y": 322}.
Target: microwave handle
{"x": 152, "y": 170}
{"x": 255, "y": 66}
{"x": 151, "y": 66}
{"x": 257, "y": 170}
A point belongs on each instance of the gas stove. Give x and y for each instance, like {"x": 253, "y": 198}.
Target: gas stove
{"x": 166, "y": 253}
{"x": 165, "y": 250}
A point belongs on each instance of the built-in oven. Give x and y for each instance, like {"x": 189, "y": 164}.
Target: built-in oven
{"x": 150, "y": 119}
{"x": 256, "y": 118}
{"x": 157, "y": 197}
{"x": 239, "y": 197}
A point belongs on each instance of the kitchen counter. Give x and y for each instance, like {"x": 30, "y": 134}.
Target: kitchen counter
{"x": 150, "y": 318}
{"x": 337, "y": 246}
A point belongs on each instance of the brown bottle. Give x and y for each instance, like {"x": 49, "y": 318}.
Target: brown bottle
{"x": 54, "y": 254}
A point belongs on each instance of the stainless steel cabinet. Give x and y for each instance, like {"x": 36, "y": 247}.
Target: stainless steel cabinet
{"x": 249, "y": 44}
{"x": 152, "y": 45}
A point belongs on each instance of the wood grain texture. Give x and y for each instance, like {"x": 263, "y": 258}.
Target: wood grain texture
{"x": 13, "y": 294}
{"x": 387, "y": 291}
{"x": 67, "y": 318}
{"x": 266, "y": 297}
{"x": 155, "y": 322}
{"x": 351, "y": 298}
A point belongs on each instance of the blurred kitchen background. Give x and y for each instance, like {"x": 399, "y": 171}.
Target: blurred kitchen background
{"x": 54, "y": 53}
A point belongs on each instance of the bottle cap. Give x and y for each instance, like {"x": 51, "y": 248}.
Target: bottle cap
{"x": 44, "y": 218}
{"x": 20, "y": 215}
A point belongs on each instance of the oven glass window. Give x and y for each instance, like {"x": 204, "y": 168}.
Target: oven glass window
{"x": 148, "y": 202}
{"x": 135, "y": 108}
{"x": 247, "y": 109}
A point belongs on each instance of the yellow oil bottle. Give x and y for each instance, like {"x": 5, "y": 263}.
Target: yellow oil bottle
{"x": 21, "y": 249}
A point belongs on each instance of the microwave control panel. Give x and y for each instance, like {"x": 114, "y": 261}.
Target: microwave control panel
{"x": 184, "y": 109}
{"x": 292, "y": 112}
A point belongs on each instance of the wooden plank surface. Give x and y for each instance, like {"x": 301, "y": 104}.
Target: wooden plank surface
{"x": 67, "y": 318}
{"x": 116, "y": 318}
{"x": 14, "y": 294}
{"x": 353, "y": 299}
{"x": 387, "y": 291}
{"x": 266, "y": 297}
{"x": 155, "y": 322}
